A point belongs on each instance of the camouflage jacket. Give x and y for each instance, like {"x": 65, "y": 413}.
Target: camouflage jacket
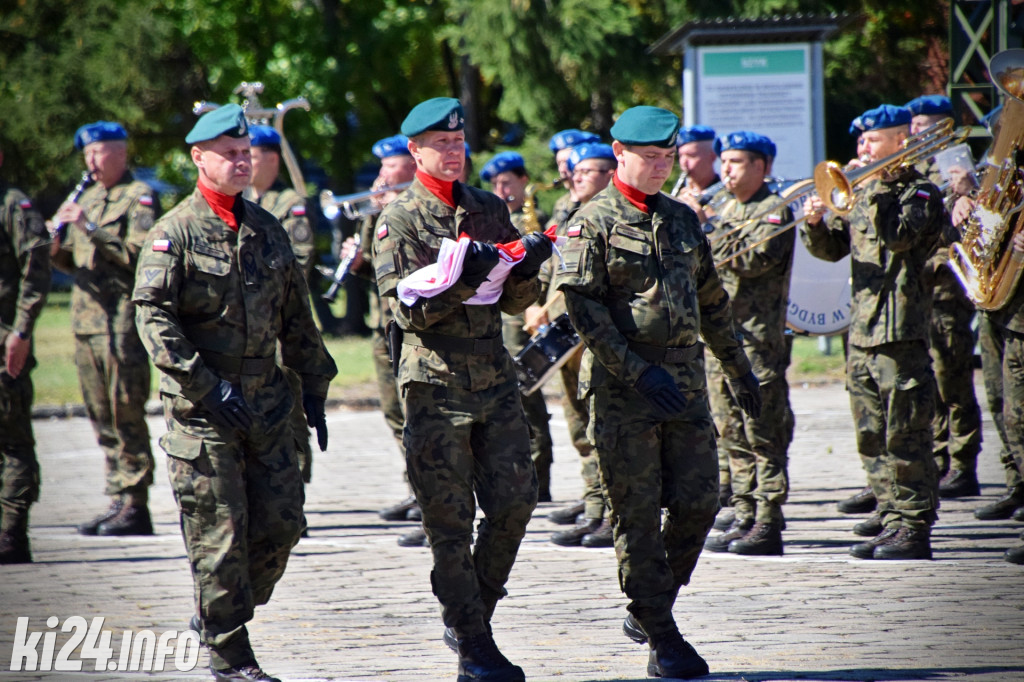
{"x": 380, "y": 312}
{"x": 891, "y": 233}
{"x": 408, "y": 236}
{"x": 563, "y": 208}
{"x": 204, "y": 288}
{"x": 644, "y": 278}
{"x": 285, "y": 204}
{"x": 24, "y": 264}
{"x": 758, "y": 281}
{"x": 939, "y": 276}
{"x": 103, "y": 263}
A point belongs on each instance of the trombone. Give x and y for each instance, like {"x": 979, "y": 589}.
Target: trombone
{"x": 358, "y": 205}
{"x": 837, "y": 188}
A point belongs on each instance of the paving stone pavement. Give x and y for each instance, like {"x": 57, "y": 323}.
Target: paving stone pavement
{"x": 353, "y": 605}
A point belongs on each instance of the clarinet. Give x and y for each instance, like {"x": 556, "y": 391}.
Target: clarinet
{"x": 341, "y": 272}
{"x": 60, "y": 230}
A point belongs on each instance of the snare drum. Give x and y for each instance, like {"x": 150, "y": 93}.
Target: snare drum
{"x": 546, "y": 352}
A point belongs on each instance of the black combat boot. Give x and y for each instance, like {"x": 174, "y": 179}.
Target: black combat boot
{"x": 724, "y": 494}
{"x": 632, "y": 629}
{"x": 869, "y": 527}
{"x": 908, "y": 543}
{"x": 1003, "y": 508}
{"x": 14, "y": 547}
{"x": 958, "y": 483}
{"x": 414, "y": 538}
{"x": 479, "y": 659}
{"x": 567, "y": 516}
{"x": 574, "y": 537}
{"x": 400, "y": 511}
{"x": 724, "y": 520}
{"x": 247, "y": 672}
{"x": 90, "y": 527}
{"x": 866, "y": 550}
{"x": 1018, "y": 514}
{"x": 602, "y": 537}
{"x": 763, "y": 539}
{"x": 672, "y": 656}
{"x": 133, "y": 519}
{"x": 1015, "y": 555}
{"x": 861, "y": 503}
{"x": 720, "y": 543}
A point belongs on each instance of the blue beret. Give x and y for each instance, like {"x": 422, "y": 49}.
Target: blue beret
{"x": 857, "y": 126}
{"x": 645, "y": 125}
{"x": 746, "y": 141}
{"x": 694, "y": 134}
{"x": 396, "y": 145}
{"x": 501, "y": 162}
{"x": 264, "y": 136}
{"x": 439, "y": 113}
{"x": 571, "y": 137}
{"x": 929, "y": 105}
{"x": 100, "y": 131}
{"x": 226, "y": 120}
{"x": 590, "y": 150}
{"x": 885, "y": 116}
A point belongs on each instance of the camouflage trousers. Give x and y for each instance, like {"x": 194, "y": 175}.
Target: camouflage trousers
{"x": 240, "y": 499}
{"x": 534, "y": 406}
{"x": 387, "y": 387}
{"x": 577, "y": 416}
{"x": 956, "y": 427}
{"x": 892, "y": 397}
{"x": 459, "y": 444}
{"x": 1013, "y": 394}
{"x": 991, "y": 340}
{"x": 646, "y": 465}
{"x": 19, "y": 469}
{"x": 299, "y": 426}
{"x": 114, "y": 374}
{"x": 756, "y": 449}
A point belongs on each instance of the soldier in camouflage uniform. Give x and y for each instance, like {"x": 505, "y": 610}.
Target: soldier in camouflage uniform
{"x": 956, "y": 428}
{"x": 24, "y": 283}
{"x": 218, "y": 289}
{"x": 106, "y": 228}
{"x": 465, "y": 431}
{"x": 506, "y": 172}
{"x": 695, "y": 147}
{"x": 757, "y": 281}
{"x": 284, "y": 203}
{"x": 890, "y": 234}
{"x": 640, "y": 285}
{"x": 561, "y": 145}
{"x": 591, "y": 165}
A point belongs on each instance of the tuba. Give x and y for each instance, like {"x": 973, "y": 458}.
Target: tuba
{"x": 984, "y": 260}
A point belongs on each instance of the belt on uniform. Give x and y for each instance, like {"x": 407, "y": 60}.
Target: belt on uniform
{"x": 454, "y": 344}
{"x": 669, "y": 355}
{"x": 236, "y": 365}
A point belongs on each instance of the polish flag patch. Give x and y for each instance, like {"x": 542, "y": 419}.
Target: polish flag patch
{"x": 146, "y": 200}
{"x": 299, "y": 209}
{"x": 25, "y": 204}
{"x": 382, "y": 231}
{"x": 774, "y": 219}
{"x": 923, "y": 194}
{"x": 161, "y": 244}
{"x": 574, "y": 231}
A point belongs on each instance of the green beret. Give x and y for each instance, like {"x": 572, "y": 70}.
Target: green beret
{"x": 226, "y": 120}
{"x": 439, "y": 113}
{"x": 646, "y": 126}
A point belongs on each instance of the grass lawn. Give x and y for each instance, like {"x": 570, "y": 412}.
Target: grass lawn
{"x": 56, "y": 378}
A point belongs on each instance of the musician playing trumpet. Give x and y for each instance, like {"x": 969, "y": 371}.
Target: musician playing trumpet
{"x": 695, "y": 148}
{"x": 890, "y": 233}
{"x": 753, "y": 449}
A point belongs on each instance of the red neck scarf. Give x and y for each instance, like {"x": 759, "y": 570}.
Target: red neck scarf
{"x": 442, "y": 189}
{"x": 222, "y": 204}
{"x": 635, "y": 196}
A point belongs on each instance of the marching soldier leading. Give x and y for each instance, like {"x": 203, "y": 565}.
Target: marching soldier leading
{"x": 640, "y": 285}
{"x": 106, "y": 229}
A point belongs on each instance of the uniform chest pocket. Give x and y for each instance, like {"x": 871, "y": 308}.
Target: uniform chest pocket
{"x": 209, "y": 264}
{"x": 631, "y": 260}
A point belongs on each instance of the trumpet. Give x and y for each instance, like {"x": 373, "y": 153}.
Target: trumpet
{"x": 358, "y": 205}
{"x": 837, "y": 187}
{"x": 59, "y": 230}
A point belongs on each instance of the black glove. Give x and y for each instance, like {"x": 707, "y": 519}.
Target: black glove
{"x": 480, "y": 260}
{"x": 538, "y": 249}
{"x": 660, "y": 389}
{"x": 227, "y": 404}
{"x": 747, "y": 391}
{"x": 314, "y": 408}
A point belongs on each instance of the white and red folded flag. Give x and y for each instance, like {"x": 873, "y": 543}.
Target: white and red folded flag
{"x": 437, "y": 277}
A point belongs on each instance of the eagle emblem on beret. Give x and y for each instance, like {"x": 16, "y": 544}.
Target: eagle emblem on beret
{"x": 453, "y": 120}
